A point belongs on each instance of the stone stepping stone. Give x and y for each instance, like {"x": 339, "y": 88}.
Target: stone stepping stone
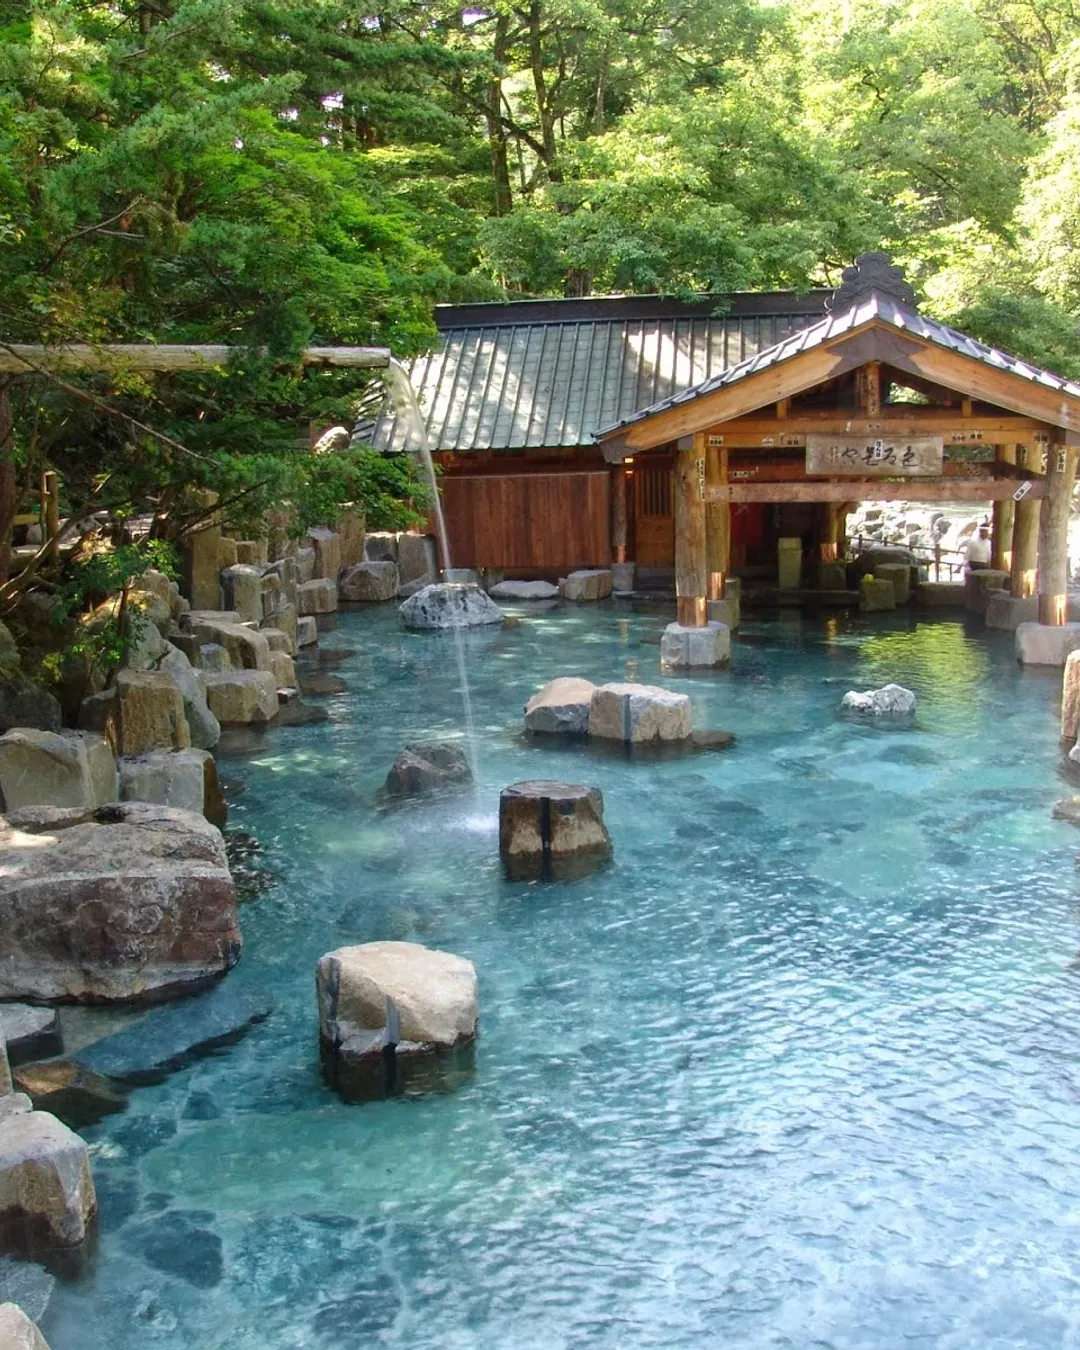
{"x": 177, "y": 1034}
{"x": 552, "y": 831}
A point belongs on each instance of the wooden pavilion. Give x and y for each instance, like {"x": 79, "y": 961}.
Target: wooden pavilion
{"x": 873, "y": 402}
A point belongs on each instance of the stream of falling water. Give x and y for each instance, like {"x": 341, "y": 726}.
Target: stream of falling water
{"x": 405, "y": 404}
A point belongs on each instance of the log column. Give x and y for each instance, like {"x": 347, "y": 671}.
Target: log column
{"x": 717, "y": 525}
{"x": 620, "y": 513}
{"x": 1001, "y": 538}
{"x": 1054, "y": 535}
{"x": 691, "y": 581}
{"x": 829, "y": 531}
{"x": 1025, "y": 537}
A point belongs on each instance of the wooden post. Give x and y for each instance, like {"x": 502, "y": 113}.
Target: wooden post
{"x": 620, "y": 482}
{"x": 717, "y": 525}
{"x": 691, "y": 585}
{"x": 1054, "y": 536}
{"x": 1004, "y": 511}
{"x": 1025, "y": 548}
{"x": 829, "y": 530}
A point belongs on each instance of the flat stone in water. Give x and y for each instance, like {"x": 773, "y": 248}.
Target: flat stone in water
{"x": 176, "y": 1243}
{"x": 320, "y": 683}
{"x": 301, "y": 714}
{"x": 172, "y": 1037}
{"x": 72, "y": 1093}
{"x": 1067, "y": 809}
{"x": 27, "y": 1284}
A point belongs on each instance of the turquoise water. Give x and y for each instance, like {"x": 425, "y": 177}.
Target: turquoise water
{"x": 801, "y": 1069}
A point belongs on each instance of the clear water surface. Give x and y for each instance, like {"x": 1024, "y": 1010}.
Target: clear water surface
{"x": 801, "y": 1069}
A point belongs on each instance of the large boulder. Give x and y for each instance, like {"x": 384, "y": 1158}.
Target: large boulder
{"x": 351, "y": 528}
{"x": 150, "y": 710}
{"x": 319, "y": 596}
{"x": 326, "y": 545}
{"x": 248, "y": 650}
{"x": 253, "y": 552}
{"x": 524, "y": 590}
{"x": 638, "y": 714}
{"x": 177, "y": 778}
{"x": 552, "y": 830}
{"x": 892, "y": 700}
{"x": 561, "y": 707}
{"x": 1040, "y": 644}
{"x": 307, "y": 632}
{"x": 25, "y": 704}
{"x": 130, "y": 901}
{"x": 426, "y": 766}
{"x": 203, "y": 726}
{"x": 242, "y": 696}
{"x": 370, "y": 582}
{"x": 284, "y": 670}
{"x": 242, "y": 588}
{"x": 415, "y": 558}
{"x": 1070, "y": 698}
{"x": 450, "y": 605}
{"x": 381, "y": 546}
{"x": 17, "y": 1332}
{"x": 588, "y": 584}
{"x": 56, "y": 768}
{"x": 430, "y": 995}
{"x": 47, "y": 1195}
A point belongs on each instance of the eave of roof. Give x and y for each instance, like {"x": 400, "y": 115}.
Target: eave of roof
{"x": 862, "y": 312}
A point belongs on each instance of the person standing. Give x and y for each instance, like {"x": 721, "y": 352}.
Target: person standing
{"x": 977, "y": 550}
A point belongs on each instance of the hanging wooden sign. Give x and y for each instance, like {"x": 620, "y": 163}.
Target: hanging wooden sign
{"x": 875, "y": 456}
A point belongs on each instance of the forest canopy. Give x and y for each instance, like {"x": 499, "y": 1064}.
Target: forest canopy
{"x": 310, "y": 171}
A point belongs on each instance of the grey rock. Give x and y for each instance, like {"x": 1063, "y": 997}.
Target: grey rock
{"x": 137, "y": 902}
{"x": 426, "y": 766}
{"x": 173, "y": 1037}
{"x": 203, "y": 725}
{"x": 450, "y": 605}
{"x": 30, "y": 1033}
{"x": 369, "y": 581}
{"x": 25, "y": 704}
{"x": 892, "y": 700}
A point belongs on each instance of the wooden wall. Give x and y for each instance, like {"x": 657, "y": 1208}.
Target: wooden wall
{"x": 529, "y": 522}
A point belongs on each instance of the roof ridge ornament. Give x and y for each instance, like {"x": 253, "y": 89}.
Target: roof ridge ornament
{"x": 871, "y": 272}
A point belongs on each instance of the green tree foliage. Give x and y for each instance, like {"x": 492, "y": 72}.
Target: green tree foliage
{"x": 270, "y": 174}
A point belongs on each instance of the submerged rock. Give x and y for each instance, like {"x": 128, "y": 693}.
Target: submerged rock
{"x": 426, "y": 766}
{"x": 450, "y": 605}
{"x": 174, "y": 1036}
{"x": 561, "y": 707}
{"x": 46, "y": 1191}
{"x": 892, "y": 700}
{"x": 552, "y": 830}
{"x": 135, "y": 901}
{"x": 73, "y": 1094}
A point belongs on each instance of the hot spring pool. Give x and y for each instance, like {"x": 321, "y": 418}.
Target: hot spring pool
{"x": 800, "y": 1069}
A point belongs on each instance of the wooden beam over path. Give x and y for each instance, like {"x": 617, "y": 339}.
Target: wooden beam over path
{"x": 165, "y": 357}
{"x": 865, "y": 490}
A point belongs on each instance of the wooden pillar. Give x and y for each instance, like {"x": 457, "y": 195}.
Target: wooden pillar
{"x": 691, "y": 583}
{"x": 1001, "y": 539}
{"x": 1054, "y": 535}
{"x": 717, "y": 525}
{"x": 620, "y": 512}
{"x": 1025, "y": 548}
{"x": 828, "y": 531}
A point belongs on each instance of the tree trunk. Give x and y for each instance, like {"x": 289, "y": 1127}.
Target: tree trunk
{"x": 9, "y": 488}
{"x": 543, "y": 107}
{"x": 502, "y": 196}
